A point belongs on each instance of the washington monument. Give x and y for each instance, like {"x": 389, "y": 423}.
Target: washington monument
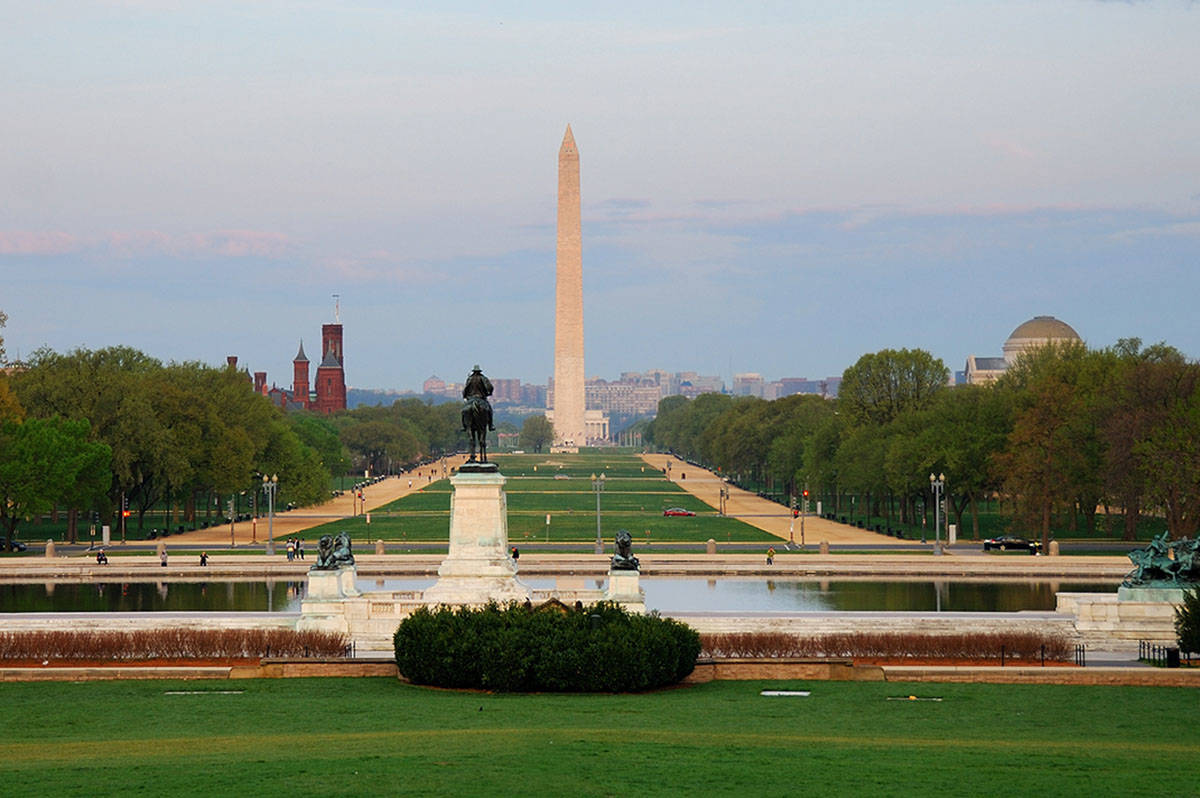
{"x": 569, "y": 429}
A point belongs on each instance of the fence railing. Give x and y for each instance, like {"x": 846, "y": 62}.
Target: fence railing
{"x": 1162, "y": 656}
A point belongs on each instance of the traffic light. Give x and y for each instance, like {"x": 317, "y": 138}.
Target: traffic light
{"x": 795, "y": 513}
{"x": 124, "y": 506}
{"x": 806, "y": 493}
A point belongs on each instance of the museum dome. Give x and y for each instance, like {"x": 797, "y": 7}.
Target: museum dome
{"x": 1038, "y": 331}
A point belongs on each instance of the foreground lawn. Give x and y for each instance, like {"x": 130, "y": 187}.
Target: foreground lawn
{"x": 379, "y": 737}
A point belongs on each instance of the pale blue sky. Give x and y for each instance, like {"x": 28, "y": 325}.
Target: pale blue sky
{"x": 771, "y": 187}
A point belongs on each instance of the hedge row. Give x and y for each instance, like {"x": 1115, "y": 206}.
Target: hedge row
{"x": 1018, "y": 645}
{"x": 516, "y": 647}
{"x": 170, "y": 644}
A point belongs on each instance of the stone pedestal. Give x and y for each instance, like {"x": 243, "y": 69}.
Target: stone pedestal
{"x": 478, "y": 567}
{"x": 1170, "y": 595}
{"x": 336, "y": 584}
{"x": 624, "y": 587}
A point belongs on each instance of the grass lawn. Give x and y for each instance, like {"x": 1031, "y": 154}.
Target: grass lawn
{"x": 634, "y": 498}
{"x": 379, "y": 737}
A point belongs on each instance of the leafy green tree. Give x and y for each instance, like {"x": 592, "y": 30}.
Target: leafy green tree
{"x": 536, "y": 433}
{"x": 321, "y": 436}
{"x": 663, "y": 432}
{"x": 1187, "y": 621}
{"x": 1167, "y": 447}
{"x": 374, "y": 442}
{"x": 10, "y": 408}
{"x": 881, "y": 386}
{"x": 43, "y": 461}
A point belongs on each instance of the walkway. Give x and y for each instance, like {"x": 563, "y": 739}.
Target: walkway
{"x": 759, "y": 512}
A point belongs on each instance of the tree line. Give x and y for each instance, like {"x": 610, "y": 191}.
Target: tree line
{"x": 98, "y": 431}
{"x": 1063, "y": 432}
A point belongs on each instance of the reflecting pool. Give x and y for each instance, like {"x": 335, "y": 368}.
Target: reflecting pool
{"x": 665, "y": 594}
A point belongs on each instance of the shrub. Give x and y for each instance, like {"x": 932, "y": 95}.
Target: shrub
{"x": 517, "y": 647}
{"x": 891, "y": 645}
{"x": 176, "y": 643}
{"x": 1187, "y": 621}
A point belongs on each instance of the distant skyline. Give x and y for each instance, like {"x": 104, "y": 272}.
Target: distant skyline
{"x": 775, "y": 188}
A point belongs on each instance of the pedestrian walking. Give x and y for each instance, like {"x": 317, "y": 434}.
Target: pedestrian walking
{"x": 162, "y": 558}
{"x": 291, "y": 550}
{"x": 299, "y": 549}
{"x": 771, "y": 556}
{"x": 204, "y": 558}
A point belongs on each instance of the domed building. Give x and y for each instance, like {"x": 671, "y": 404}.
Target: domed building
{"x": 1038, "y": 331}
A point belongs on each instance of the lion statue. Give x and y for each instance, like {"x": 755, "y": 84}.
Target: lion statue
{"x": 624, "y": 560}
{"x": 333, "y": 553}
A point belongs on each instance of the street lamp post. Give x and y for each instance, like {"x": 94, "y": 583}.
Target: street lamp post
{"x": 803, "y": 511}
{"x": 270, "y": 485}
{"x": 792, "y": 525}
{"x": 938, "y": 484}
{"x": 598, "y": 486}
{"x": 724, "y": 496}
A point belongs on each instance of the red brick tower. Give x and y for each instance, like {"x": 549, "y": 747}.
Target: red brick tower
{"x": 300, "y": 378}
{"x": 331, "y": 340}
{"x": 331, "y": 378}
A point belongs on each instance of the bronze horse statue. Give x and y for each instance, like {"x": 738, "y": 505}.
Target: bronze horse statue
{"x": 477, "y": 413}
{"x": 475, "y": 416}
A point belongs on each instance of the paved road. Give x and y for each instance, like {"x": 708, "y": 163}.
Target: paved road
{"x": 290, "y": 524}
{"x": 761, "y": 513}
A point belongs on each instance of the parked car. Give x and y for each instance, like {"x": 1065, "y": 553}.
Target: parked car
{"x": 16, "y": 545}
{"x": 1012, "y": 543}
{"x": 677, "y": 511}
{"x": 562, "y": 476}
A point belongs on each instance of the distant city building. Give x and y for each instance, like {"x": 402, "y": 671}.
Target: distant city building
{"x": 827, "y": 387}
{"x": 748, "y": 385}
{"x": 1033, "y": 334}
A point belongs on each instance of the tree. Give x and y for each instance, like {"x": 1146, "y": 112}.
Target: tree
{"x": 883, "y": 385}
{"x": 43, "y": 461}
{"x": 536, "y": 432}
{"x": 1167, "y": 447}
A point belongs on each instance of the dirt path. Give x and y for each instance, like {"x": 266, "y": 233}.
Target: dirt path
{"x": 294, "y": 523}
{"x": 758, "y": 512}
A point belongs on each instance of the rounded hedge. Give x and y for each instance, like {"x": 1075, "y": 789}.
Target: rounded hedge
{"x": 551, "y": 648}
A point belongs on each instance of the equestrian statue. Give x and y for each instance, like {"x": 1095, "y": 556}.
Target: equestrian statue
{"x": 477, "y": 413}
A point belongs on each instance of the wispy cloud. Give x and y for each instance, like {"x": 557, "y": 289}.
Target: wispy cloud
{"x": 139, "y": 243}
{"x": 29, "y": 242}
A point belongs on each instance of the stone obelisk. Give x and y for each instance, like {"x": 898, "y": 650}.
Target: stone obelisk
{"x": 569, "y": 429}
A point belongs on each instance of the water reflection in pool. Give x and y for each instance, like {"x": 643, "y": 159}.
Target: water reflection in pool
{"x": 665, "y": 594}
{"x": 273, "y": 596}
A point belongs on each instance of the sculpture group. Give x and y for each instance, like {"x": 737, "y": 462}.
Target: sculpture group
{"x": 333, "y": 553}
{"x": 1165, "y": 563}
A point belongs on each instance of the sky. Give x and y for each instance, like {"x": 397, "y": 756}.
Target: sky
{"x": 767, "y": 187}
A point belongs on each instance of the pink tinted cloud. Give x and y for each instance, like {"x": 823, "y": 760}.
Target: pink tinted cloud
{"x": 29, "y": 242}
{"x": 128, "y": 243}
{"x": 226, "y": 243}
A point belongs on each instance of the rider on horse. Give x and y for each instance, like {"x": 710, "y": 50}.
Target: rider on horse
{"x": 476, "y": 392}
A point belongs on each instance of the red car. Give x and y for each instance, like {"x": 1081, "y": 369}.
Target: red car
{"x": 677, "y": 511}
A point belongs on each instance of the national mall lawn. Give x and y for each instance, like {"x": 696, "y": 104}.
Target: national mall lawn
{"x": 560, "y": 486}
{"x": 382, "y": 737}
